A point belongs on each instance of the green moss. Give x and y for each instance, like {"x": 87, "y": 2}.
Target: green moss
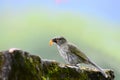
{"x": 1, "y": 60}
{"x": 56, "y": 72}
{"x": 43, "y": 78}
{"x": 25, "y": 65}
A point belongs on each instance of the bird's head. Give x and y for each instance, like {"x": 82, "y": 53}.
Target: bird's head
{"x": 58, "y": 40}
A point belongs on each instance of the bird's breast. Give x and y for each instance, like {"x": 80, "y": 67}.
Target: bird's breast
{"x": 68, "y": 56}
{"x": 63, "y": 48}
{"x": 63, "y": 52}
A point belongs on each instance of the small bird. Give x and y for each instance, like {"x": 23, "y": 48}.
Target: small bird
{"x": 71, "y": 54}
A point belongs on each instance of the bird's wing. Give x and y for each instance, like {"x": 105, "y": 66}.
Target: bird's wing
{"x": 76, "y": 51}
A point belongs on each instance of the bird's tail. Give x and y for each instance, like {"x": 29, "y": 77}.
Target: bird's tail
{"x": 99, "y": 68}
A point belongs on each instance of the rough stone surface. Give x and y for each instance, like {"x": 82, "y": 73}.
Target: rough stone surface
{"x": 16, "y": 64}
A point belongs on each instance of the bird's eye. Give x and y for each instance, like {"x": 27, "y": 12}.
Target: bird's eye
{"x": 60, "y": 39}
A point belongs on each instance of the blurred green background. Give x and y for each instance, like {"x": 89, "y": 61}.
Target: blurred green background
{"x": 29, "y": 25}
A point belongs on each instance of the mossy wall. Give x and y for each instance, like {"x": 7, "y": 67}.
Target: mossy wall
{"x": 20, "y": 65}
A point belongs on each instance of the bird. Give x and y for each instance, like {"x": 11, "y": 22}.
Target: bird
{"x": 72, "y": 54}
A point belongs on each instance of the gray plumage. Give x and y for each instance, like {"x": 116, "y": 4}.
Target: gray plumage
{"x": 72, "y": 55}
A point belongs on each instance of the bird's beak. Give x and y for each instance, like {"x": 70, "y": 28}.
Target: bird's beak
{"x": 51, "y": 42}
